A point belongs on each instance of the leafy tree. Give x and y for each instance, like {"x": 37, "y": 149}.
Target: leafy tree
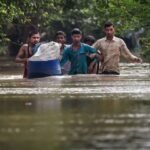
{"x": 50, "y": 15}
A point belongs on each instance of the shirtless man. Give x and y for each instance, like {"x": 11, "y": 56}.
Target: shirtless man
{"x": 27, "y": 50}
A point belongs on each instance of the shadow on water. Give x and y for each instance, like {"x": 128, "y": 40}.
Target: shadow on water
{"x": 83, "y": 112}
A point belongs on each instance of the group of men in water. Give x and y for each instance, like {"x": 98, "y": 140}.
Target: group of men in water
{"x": 90, "y": 56}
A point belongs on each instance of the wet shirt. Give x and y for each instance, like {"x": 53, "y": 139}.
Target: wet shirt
{"x": 111, "y": 51}
{"x": 78, "y": 58}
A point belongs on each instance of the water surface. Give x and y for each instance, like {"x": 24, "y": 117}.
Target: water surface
{"x": 82, "y": 112}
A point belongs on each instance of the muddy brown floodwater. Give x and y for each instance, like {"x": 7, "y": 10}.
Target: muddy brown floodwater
{"x": 82, "y": 112}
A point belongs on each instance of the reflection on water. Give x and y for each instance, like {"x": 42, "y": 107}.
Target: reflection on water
{"x": 83, "y": 112}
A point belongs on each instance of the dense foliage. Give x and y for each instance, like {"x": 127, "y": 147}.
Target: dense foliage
{"x": 50, "y": 15}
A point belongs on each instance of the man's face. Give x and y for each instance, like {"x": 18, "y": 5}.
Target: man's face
{"x": 109, "y": 31}
{"x": 60, "y": 39}
{"x": 76, "y": 38}
{"x": 35, "y": 38}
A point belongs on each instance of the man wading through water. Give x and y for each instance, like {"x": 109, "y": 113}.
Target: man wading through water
{"x": 27, "y": 50}
{"x": 60, "y": 37}
{"x": 111, "y": 47}
{"x": 76, "y": 53}
{"x": 92, "y": 63}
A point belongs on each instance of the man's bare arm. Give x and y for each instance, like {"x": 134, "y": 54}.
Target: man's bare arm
{"x": 21, "y": 56}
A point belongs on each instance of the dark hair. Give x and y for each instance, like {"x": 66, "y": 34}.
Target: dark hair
{"x": 89, "y": 38}
{"x": 60, "y": 33}
{"x": 31, "y": 33}
{"x": 76, "y": 31}
{"x": 108, "y": 24}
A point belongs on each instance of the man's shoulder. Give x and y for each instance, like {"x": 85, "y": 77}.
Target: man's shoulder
{"x": 66, "y": 45}
{"x": 101, "y": 39}
{"x": 24, "y": 47}
{"x": 67, "y": 48}
{"x": 85, "y": 45}
{"x": 117, "y": 38}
